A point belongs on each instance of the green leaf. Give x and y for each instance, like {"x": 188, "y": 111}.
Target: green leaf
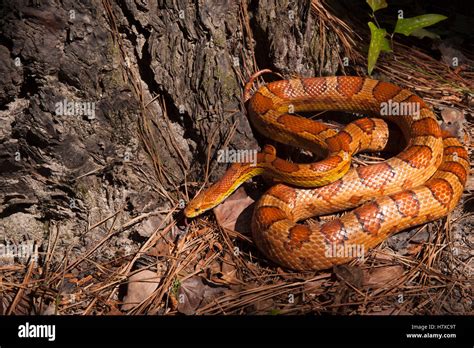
{"x": 377, "y": 4}
{"x": 407, "y": 26}
{"x": 378, "y": 41}
{"x": 385, "y": 45}
{"x": 421, "y": 33}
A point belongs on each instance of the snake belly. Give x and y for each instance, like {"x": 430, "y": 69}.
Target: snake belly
{"x": 421, "y": 184}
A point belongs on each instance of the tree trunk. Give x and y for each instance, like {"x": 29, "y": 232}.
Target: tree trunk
{"x": 112, "y": 107}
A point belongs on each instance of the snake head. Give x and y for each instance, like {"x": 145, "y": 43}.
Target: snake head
{"x": 196, "y": 207}
{"x": 203, "y": 202}
{"x": 237, "y": 174}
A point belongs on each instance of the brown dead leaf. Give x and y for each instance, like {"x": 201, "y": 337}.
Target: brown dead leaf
{"x": 351, "y": 277}
{"x": 350, "y": 274}
{"x": 214, "y": 268}
{"x": 149, "y": 226}
{"x": 263, "y": 306}
{"x": 229, "y": 277}
{"x": 414, "y": 249}
{"x": 210, "y": 293}
{"x": 114, "y": 311}
{"x": 453, "y": 121}
{"x": 234, "y": 213}
{"x": 225, "y": 274}
{"x": 161, "y": 248}
{"x": 190, "y": 295}
{"x": 314, "y": 288}
{"x": 140, "y": 286}
{"x": 193, "y": 292}
{"x": 113, "y": 307}
{"x": 380, "y": 277}
{"x": 50, "y": 309}
{"x": 229, "y": 270}
{"x": 449, "y": 51}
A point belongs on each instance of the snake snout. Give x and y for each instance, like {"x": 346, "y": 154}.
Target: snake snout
{"x": 191, "y": 210}
{"x": 196, "y": 206}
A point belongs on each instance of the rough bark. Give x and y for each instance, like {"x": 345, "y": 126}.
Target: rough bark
{"x": 62, "y": 174}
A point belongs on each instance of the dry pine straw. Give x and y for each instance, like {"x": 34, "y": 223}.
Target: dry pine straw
{"x": 424, "y": 278}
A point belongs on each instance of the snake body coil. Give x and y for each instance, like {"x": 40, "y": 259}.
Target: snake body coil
{"x": 421, "y": 184}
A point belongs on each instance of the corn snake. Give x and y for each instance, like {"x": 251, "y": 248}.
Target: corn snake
{"x": 422, "y": 183}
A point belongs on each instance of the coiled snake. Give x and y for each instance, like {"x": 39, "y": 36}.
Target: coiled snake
{"x": 422, "y": 183}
